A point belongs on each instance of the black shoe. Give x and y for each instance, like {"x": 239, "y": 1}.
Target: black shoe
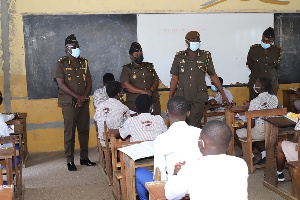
{"x": 71, "y": 166}
{"x": 281, "y": 177}
{"x": 255, "y": 161}
{"x": 87, "y": 162}
{"x": 261, "y": 161}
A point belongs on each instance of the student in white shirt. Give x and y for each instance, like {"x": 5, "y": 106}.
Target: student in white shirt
{"x": 218, "y": 98}
{"x": 144, "y": 126}
{"x": 112, "y": 110}
{"x": 216, "y": 175}
{"x": 177, "y": 144}
{"x": 264, "y": 100}
{"x": 100, "y": 94}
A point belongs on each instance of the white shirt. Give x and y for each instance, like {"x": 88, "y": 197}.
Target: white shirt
{"x": 213, "y": 177}
{"x": 228, "y": 94}
{"x": 3, "y": 126}
{"x": 263, "y": 101}
{"x": 143, "y": 127}
{"x": 113, "y": 112}
{"x": 100, "y": 96}
{"x": 178, "y": 144}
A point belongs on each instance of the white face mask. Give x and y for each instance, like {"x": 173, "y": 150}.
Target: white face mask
{"x": 254, "y": 88}
{"x": 194, "y": 46}
{"x": 75, "y": 52}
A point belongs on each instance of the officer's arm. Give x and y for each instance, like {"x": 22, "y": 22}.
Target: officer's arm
{"x": 61, "y": 84}
{"x": 155, "y": 84}
{"x": 88, "y": 87}
{"x": 130, "y": 88}
{"x": 214, "y": 78}
{"x": 173, "y": 85}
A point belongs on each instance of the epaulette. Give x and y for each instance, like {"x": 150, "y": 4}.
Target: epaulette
{"x": 181, "y": 53}
{"x": 62, "y": 58}
{"x": 82, "y": 58}
{"x": 255, "y": 45}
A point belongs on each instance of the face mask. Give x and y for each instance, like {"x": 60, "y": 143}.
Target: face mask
{"x": 194, "y": 46}
{"x": 264, "y": 45}
{"x": 75, "y": 52}
{"x": 139, "y": 59}
{"x": 254, "y": 88}
{"x": 213, "y": 88}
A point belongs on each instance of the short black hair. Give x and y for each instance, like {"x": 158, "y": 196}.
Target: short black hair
{"x": 178, "y": 106}
{"x": 266, "y": 83}
{"x": 218, "y": 132}
{"x": 113, "y": 88}
{"x": 221, "y": 80}
{"x": 143, "y": 102}
{"x": 108, "y": 77}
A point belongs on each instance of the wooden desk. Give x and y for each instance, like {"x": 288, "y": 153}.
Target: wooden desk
{"x": 289, "y": 97}
{"x": 130, "y": 166}
{"x": 229, "y": 115}
{"x": 7, "y": 192}
{"x": 272, "y": 126}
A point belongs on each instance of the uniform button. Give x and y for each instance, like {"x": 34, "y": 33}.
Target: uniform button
{"x": 144, "y": 81}
{"x": 190, "y": 76}
{"x": 76, "y": 69}
{"x": 191, "y": 69}
{"x": 265, "y": 70}
{"x": 143, "y": 74}
{"x": 266, "y": 64}
{"x": 79, "y": 83}
{"x": 77, "y": 76}
{"x": 190, "y": 85}
{"x": 192, "y": 61}
{"x": 202, "y": 89}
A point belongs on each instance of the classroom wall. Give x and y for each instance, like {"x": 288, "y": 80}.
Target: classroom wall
{"x": 45, "y": 121}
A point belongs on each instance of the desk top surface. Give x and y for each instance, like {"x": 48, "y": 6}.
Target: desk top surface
{"x": 280, "y": 122}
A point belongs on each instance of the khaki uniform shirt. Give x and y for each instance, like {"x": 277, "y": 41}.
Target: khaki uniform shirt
{"x": 191, "y": 73}
{"x": 75, "y": 78}
{"x": 140, "y": 77}
{"x": 264, "y": 65}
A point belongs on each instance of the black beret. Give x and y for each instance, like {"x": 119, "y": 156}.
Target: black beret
{"x": 269, "y": 33}
{"x": 135, "y": 47}
{"x": 192, "y": 35}
{"x": 71, "y": 39}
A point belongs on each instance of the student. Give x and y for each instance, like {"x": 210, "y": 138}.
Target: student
{"x": 100, "y": 94}
{"x": 112, "y": 110}
{"x": 218, "y": 98}
{"x": 144, "y": 126}
{"x": 214, "y": 176}
{"x": 286, "y": 151}
{"x": 4, "y": 131}
{"x": 264, "y": 100}
{"x": 177, "y": 144}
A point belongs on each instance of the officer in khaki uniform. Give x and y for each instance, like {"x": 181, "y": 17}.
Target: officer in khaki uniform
{"x": 188, "y": 77}
{"x": 74, "y": 81}
{"x": 263, "y": 60}
{"x": 140, "y": 77}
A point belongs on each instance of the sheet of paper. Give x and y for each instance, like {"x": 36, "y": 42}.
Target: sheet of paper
{"x": 140, "y": 150}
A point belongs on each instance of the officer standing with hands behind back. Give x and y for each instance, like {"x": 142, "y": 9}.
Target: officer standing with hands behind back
{"x": 140, "y": 77}
{"x": 188, "y": 77}
{"x": 75, "y": 83}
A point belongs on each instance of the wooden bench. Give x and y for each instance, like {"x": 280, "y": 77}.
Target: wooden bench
{"x": 247, "y": 142}
{"x": 7, "y": 192}
{"x": 294, "y": 168}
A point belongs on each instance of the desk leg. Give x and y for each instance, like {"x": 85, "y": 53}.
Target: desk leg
{"x": 229, "y": 116}
{"x": 130, "y": 177}
{"x": 271, "y": 137}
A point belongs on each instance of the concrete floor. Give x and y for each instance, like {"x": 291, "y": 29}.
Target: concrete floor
{"x": 46, "y": 178}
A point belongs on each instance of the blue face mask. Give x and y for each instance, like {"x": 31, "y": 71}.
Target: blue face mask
{"x": 194, "y": 46}
{"x": 213, "y": 88}
{"x": 75, "y": 52}
{"x": 264, "y": 45}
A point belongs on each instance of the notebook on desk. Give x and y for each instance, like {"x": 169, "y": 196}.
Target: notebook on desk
{"x": 140, "y": 150}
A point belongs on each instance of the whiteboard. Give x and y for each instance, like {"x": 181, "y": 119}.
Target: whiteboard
{"x": 228, "y": 36}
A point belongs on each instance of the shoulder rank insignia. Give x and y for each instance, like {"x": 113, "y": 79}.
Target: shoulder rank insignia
{"x": 69, "y": 78}
{"x": 69, "y": 69}
{"x": 134, "y": 76}
{"x": 182, "y": 61}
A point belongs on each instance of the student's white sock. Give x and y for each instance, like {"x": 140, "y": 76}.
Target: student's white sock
{"x": 263, "y": 154}
{"x": 278, "y": 172}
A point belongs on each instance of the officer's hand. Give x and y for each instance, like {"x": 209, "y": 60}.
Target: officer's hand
{"x": 148, "y": 92}
{"x": 212, "y": 102}
{"x": 225, "y": 101}
{"x": 246, "y": 103}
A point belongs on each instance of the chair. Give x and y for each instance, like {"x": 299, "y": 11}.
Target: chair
{"x": 107, "y": 155}
{"x": 207, "y": 114}
{"x": 6, "y": 156}
{"x": 247, "y": 142}
{"x": 16, "y": 165}
{"x": 294, "y": 168}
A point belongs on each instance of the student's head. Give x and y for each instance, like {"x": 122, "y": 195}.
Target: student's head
{"x": 136, "y": 53}
{"x": 214, "y": 138}
{"x": 72, "y": 46}
{"x": 113, "y": 89}
{"x": 178, "y": 109}
{"x": 143, "y": 103}
{"x": 108, "y": 77}
{"x": 213, "y": 87}
{"x": 262, "y": 84}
